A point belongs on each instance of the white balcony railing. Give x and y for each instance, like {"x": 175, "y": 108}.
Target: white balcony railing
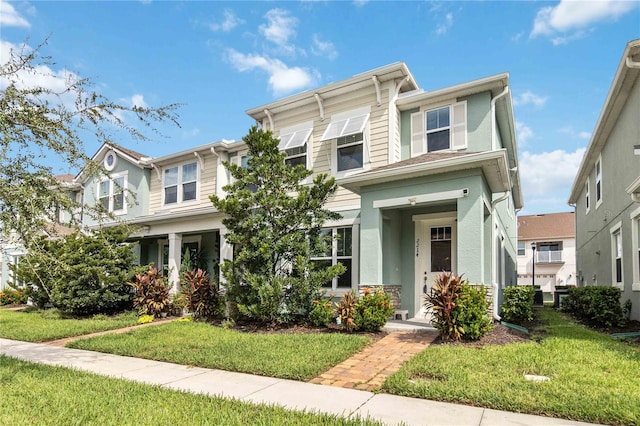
{"x": 551, "y": 256}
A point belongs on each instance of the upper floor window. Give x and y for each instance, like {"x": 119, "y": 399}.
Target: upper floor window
{"x": 111, "y": 193}
{"x": 294, "y": 141}
{"x": 443, "y": 128}
{"x": 522, "y": 249}
{"x": 350, "y": 141}
{"x": 587, "y": 190}
{"x": 598, "y": 181}
{"x": 180, "y": 183}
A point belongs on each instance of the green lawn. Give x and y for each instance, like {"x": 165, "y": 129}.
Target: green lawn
{"x": 42, "y": 395}
{"x": 40, "y": 326}
{"x": 593, "y": 378}
{"x": 283, "y": 355}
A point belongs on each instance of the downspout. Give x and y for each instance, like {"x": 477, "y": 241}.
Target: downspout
{"x": 493, "y": 117}
{"x": 494, "y": 203}
{"x": 270, "y": 117}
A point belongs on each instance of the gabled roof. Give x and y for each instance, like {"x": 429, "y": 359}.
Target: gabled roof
{"x": 624, "y": 80}
{"x": 547, "y": 226}
{"x": 494, "y": 165}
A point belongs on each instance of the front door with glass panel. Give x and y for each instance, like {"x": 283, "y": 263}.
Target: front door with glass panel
{"x": 435, "y": 253}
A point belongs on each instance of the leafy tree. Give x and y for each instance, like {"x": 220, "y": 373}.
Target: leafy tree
{"x": 274, "y": 222}
{"x": 80, "y": 274}
{"x": 38, "y": 122}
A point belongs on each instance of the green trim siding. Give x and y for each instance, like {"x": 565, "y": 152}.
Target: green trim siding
{"x": 478, "y": 121}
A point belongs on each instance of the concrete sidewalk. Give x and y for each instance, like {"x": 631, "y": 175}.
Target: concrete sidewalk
{"x": 291, "y": 394}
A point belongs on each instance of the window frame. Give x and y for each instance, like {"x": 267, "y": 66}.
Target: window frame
{"x": 617, "y": 255}
{"x": 111, "y": 194}
{"x": 598, "y": 174}
{"x": 635, "y": 248}
{"x": 335, "y": 257}
{"x": 587, "y": 187}
{"x": 524, "y": 248}
{"x": 301, "y": 132}
{"x": 343, "y": 125}
{"x": 180, "y": 184}
{"x": 458, "y": 135}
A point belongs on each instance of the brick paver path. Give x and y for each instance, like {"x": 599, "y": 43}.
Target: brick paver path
{"x": 367, "y": 370}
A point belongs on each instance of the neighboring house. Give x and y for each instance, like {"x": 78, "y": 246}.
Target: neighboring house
{"x": 606, "y": 191}
{"x": 428, "y": 182}
{"x": 547, "y": 243}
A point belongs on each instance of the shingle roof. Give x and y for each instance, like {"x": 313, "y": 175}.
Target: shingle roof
{"x": 424, "y": 158}
{"x": 64, "y": 178}
{"x": 128, "y": 151}
{"x": 549, "y": 225}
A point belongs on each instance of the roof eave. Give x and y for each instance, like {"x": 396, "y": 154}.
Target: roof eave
{"x": 499, "y": 183}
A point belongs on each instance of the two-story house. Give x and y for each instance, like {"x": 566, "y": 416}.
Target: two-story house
{"x": 428, "y": 179}
{"x": 547, "y": 251}
{"x": 428, "y": 182}
{"x": 606, "y": 190}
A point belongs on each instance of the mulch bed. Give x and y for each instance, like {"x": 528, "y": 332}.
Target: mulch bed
{"x": 499, "y": 335}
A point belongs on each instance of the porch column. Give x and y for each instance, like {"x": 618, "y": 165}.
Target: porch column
{"x": 175, "y": 252}
{"x": 226, "y": 251}
{"x": 371, "y": 246}
{"x": 471, "y": 238}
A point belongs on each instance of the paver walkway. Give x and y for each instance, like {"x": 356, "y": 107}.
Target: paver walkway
{"x": 367, "y": 370}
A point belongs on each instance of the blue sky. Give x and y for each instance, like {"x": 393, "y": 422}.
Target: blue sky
{"x": 222, "y": 58}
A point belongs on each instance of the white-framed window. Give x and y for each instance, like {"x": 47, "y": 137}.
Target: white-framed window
{"x": 635, "y": 256}
{"x": 598, "y": 170}
{"x": 439, "y": 129}
{"x": 112, "y": 193}
{"x": 180, "y": 183}
{"x": 348, "y": 130}
{"x": 587, "y": 200}
{"x": 616, "y": 255}
{"x": 522, "y": 248}
{"x": 341, "y": 250}
{"x": 110, "y": 160}
{"x": 294, "y": 141}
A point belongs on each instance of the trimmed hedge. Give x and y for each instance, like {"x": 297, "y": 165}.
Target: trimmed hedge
{"x": 598, "y": 306}
{"x": 517, "y": 306}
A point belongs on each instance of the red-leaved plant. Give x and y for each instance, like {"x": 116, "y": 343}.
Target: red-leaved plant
{"x": 441, "y": 301}
{"x": 202, "y": 294}
{"x": 152, "y": 294}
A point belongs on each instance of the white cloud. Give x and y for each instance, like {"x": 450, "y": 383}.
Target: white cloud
{"x": 569, "y": 19}
{"x": 446, "y": 25}
{"x": 282, "y": 79}
{"x": 569, "y": 130}
{"x": 323, "y": 48}
{"x": 549, "y": 174}
{"x": 10, "y": 17}
{"x": 280, "y": 27}
{"x": 230, "y": 22}
{"x": 137, "y": 100}
{"x": 523, "y": 133}
{"x": 529, "y": 97}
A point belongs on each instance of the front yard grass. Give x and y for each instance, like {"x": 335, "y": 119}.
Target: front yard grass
{"x": 35, "y": 394}
{"x": 40, "y": 326}
{"x": 298, "y": 356}
{"x": 593, "y": 377}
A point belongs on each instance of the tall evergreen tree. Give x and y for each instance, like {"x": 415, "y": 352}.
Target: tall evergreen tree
{"x": 274, "y": 223}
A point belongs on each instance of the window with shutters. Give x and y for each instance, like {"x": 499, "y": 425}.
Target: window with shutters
{"x": 439, "y": 129}
{"x": 350, "y": 146}
{"x": 294, "y": 141}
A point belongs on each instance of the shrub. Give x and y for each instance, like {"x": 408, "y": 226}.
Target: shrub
{"x": 598, "y": 306}
{"x": 12, "y": 296}
{"x": 517, "y": 306}
{"x": 151, "y": 293}
{"x": 346, "y": 310}
{"x": 80, "y": 274}
{"x": 322, "y": 313}
{"x": 441, "y": 301}
{"x": 471, "y": 312}
{"x": 201, "y": 295}
{"x": 373, "y": 310}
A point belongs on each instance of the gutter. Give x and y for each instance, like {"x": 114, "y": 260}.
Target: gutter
{"x": 493, "y": 116}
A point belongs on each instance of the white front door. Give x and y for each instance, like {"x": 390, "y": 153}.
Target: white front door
{"x": 435, "y": 253}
